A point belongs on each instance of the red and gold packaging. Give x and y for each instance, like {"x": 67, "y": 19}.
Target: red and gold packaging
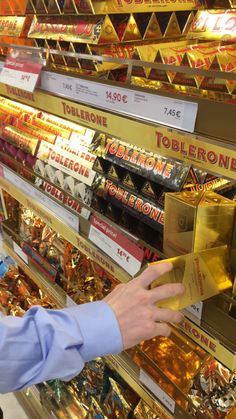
{"x": 137, "y": 6}
{"x": 214, "y": 25}
{"x": 88, "y": 29}
{"x": 16, "y": 26}
{"x": 22, "y": 140}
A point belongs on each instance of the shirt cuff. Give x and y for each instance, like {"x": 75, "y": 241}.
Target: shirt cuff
{"x": 99, "y": 328}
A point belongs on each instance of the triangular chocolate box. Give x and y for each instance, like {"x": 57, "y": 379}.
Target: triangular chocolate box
{"x": 153, "y": 30}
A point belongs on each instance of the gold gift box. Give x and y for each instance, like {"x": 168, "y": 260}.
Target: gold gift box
{"x": 172, "y": 362}
{"x": 204, "y": 274}
{"x": 196, "y": 221}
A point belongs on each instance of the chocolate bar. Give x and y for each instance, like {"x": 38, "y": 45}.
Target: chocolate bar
{"x": 161, "y": 170}
{"x": 140, "y": 207}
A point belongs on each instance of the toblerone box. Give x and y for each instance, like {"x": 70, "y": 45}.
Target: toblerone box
{"x": 204, "y": 274}
{"x": 196, "y": 221}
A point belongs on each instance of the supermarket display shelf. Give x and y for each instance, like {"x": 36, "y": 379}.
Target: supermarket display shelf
{"x": 60, "y": 225}
{"x": 120, "y": 363}
{"x": 210, "y": 147}
{"x": 131, "y": 373}
{"x": 52, "y": 290}
{"x": 212, "y": 341}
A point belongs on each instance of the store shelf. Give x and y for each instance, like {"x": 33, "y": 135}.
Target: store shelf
{"x": 211, "y": 147}
{"x": 17, "y": 189}
{"x": 30, "y": 401}
{"x": 130, "y": 372}
{"x": 208, "y": 339}
{"x": 52, "y": 290}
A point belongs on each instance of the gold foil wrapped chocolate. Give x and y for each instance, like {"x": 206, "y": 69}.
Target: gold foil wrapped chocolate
{"x": 13, "y": 25}
{"x": 89, "y": 29}
{"x": 214, "y": 25}
{"x": 21, "y": 139}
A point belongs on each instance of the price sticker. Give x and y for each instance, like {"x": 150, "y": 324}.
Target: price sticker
{"x": 157, "y": 391}
{"x": 21, "y": 69}
{"x": 116, "y": 245}
{"x": 195, "y": 310}
{"x": 20, "y": 253}
{"x": 175, "y": 113}
{"x": 113, "y": 96}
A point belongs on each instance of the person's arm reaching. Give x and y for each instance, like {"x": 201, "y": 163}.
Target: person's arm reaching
{"x": 47, "y": 344}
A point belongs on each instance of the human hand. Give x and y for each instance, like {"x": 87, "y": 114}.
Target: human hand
{"x": 134, "y": 305}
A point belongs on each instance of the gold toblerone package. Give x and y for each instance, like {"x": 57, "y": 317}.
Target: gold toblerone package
{"x": 137, "y": 6}
{"x": 196, "y": 221}
{"x": 204, "y": 274}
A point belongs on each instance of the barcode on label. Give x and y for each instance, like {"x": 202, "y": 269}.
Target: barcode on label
{"x": 157, "y": 391}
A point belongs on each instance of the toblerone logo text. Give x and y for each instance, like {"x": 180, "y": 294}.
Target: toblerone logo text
{"x": 197, "y": 153}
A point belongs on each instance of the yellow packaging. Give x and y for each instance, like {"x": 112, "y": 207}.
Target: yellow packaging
{"x": 88, "y": 29}
{"x": 227, "y": 63}
{"x": 14, "y": 25}
{"x": 204, "y": 274}
{"x": 137, "y": 6}
{"x": 214, "y": 25}
{"x": 197, "y": 221}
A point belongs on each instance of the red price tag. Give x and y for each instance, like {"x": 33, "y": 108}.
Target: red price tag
{"x": 21, "y": 70}
{"x": 114, "y": 97}
{"x": 116, "y": 245}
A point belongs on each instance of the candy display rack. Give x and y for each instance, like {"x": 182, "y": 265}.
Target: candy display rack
{"x": 137, "y": 98}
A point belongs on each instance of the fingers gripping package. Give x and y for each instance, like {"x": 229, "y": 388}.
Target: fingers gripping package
{"x": 204, "y": 274}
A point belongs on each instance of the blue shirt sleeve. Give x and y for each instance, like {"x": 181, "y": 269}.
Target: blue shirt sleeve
{"x": 48, "y": 344}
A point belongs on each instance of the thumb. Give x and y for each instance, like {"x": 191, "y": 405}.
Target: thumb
{"x": 152, "y": 273}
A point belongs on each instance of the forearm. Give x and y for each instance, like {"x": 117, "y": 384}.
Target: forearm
{"x": 48, "y": 344}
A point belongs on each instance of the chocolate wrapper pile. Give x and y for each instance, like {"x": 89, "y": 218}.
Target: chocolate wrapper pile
{"x": 191, "y": 377}
{"x": 97, "y": 392}
{"x": 18, "y": 293}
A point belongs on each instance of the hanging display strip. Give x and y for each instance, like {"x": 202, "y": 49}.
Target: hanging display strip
{"x": 172, "y": 112}
{"x": 210, "y": 344}
{"x": 212, "y": 156}
{"x": 29, "y": 196}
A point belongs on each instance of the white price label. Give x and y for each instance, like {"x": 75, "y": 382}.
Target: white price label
{"x": 195, "y": 310}
{"x": 152, "y": 107}
{"x": 20, "y": 73}
{"x": 157, "y": 390}
{"x": 20, "y": 253}
{"x": 70, "y": 302}
{"x": 116, "y": 245}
